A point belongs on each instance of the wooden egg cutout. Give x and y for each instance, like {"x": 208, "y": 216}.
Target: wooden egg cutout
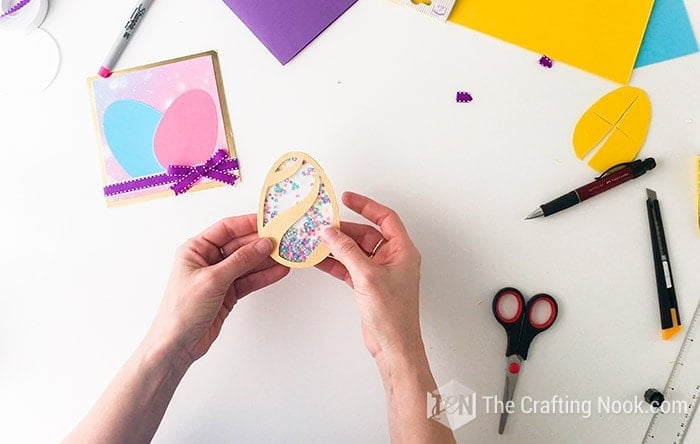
{"x": 613, "y": 129}
{"x": 296, "y": 204}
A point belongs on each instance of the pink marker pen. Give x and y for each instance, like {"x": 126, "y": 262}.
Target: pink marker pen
{"x": 124, "y": 37}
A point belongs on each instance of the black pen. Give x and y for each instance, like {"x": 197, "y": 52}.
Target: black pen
{"x": 668, "y": 305}
{"x": 623, "y": 173}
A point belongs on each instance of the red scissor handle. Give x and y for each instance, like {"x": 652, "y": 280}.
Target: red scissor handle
{"x": 549, "y": 307}
{"x": 509, "y": 309}
{"x": 508, "y": 305}
{"x": 522, "y": 320}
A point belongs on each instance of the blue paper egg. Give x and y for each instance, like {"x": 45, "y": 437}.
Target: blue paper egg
{"x": 129, "y": 127}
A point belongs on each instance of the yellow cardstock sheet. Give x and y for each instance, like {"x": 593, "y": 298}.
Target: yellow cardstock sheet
{"x": 599, "y": 36}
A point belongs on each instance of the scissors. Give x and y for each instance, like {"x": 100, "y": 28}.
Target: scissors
{"x": 518, "y": 319}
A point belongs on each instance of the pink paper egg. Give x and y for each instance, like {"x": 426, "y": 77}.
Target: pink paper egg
{"x": 188, "y": 130}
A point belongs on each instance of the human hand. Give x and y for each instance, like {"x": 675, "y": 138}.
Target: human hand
{"x": 386, "y": 283}
{"x": 212, "y": 271}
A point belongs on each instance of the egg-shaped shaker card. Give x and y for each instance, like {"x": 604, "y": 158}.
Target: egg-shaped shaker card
{"x": 613, "y": 129}
{"x": 296, "y": 204}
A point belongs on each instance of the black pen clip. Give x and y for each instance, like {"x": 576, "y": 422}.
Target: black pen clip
{"x": 615, "y": 168}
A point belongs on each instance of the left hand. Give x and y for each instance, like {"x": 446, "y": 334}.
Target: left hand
{"x": 212, "y": 271}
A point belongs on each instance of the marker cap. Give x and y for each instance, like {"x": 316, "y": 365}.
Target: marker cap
{"x": 104, "y": 72}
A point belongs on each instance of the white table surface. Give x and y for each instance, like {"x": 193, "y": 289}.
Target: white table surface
{"x": 373, "y": 101}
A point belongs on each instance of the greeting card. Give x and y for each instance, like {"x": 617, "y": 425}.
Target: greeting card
{"x": 163, "y": 129}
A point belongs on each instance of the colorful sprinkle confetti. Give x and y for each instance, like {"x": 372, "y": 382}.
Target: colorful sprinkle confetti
{"x": 302, "y": 238}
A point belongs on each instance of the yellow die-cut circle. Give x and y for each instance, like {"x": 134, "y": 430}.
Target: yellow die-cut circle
{"x": 613, "y": 129}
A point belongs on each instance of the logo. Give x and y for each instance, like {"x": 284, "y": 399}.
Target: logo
{"x": 452, "y": 405}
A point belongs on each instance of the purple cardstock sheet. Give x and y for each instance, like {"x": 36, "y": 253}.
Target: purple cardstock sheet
{"x": 286, "y": 27}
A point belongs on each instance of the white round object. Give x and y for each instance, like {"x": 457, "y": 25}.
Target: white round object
{"x": 30, "y": 62}
{"x": 27, "y": 19}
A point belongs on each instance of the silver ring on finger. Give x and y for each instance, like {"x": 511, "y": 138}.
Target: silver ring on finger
{"x": 376, "y": 247}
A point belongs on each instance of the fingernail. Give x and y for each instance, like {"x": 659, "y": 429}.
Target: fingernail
{"x": 264, "y": 245}
{"x": 330, "y": 233}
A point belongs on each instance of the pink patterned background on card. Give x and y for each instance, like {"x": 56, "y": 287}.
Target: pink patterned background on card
{"x": 157, "y": 87}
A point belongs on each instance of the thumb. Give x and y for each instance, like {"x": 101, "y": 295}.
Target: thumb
{"x": 345, "y": 250}
{"x": 242, "y": 261}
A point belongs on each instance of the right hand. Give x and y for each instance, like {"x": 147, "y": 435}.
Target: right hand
{"x": 212, "y": 271}
{"x": 387, "y": 284}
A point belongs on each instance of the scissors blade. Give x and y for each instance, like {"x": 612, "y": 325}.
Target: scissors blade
{"x": 512, "y": 372}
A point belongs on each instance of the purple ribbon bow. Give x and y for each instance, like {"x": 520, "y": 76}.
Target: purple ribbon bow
{"x": 15, "y": 8}
{"x": 183, "y": 177}
{"x": 217, "y": 168}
